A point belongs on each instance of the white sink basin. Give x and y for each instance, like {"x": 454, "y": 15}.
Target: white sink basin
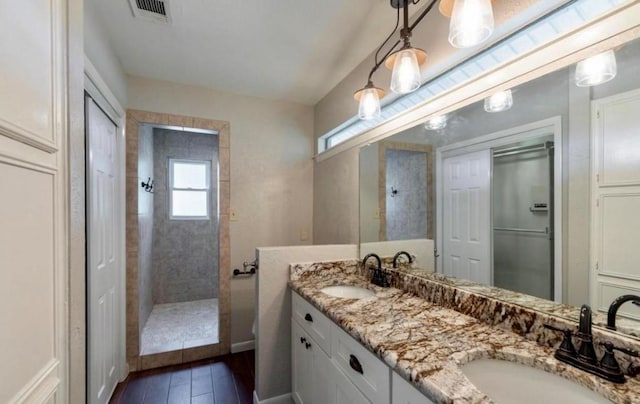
{"x": 347, "y": 292}
{"x": 507, "y": 382}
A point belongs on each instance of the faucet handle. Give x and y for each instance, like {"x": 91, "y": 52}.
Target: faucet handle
{"x": 609, "y": 361}
{"x": 609, "y": 347}
{"x": 567, "y": 344}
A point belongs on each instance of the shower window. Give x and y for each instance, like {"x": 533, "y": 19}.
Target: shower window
{"x": 189, "y": 189}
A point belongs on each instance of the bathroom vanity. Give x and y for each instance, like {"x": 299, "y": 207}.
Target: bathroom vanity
{"x": 407, "y": 343}
{"x": 330, "y": 366}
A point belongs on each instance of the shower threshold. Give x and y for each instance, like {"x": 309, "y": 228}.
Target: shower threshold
{"x": 176, "y": 326}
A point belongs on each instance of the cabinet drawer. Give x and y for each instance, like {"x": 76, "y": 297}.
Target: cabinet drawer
{"x": 402, "y": 392}
{"x": 316, "y": 324}
{"x": 364, "y": 369}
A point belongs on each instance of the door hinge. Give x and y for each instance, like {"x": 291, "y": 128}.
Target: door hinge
{"x": 598, "y": 114}
{"x": 597, "y": 203}
{"x": 597, "y": 266}
{"x": 598, "y": 178}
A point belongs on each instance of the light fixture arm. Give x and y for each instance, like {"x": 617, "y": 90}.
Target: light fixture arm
{"x": 422, "y": 15}
{"x": 379, "y": 63}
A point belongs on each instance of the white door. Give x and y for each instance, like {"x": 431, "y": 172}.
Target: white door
{"x": 467, "y": 216}
{"x": 102, "y": 272}
{"x": 615, "y": 229}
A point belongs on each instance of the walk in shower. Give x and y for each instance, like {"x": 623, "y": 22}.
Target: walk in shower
{"x": 178, "y": 277}
{"x": 523, "y": 217}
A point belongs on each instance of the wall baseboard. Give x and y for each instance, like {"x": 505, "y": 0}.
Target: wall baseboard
{"x": 243, "y": 346}
{"x": 283, "y": 399}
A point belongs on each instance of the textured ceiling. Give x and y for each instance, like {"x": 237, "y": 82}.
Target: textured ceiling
{"x": 294, "y": 50}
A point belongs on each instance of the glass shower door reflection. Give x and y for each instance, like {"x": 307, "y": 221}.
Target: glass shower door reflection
{"x": 523, "y": 219}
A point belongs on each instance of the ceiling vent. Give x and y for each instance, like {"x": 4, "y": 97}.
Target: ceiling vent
{"x": 151, "y": 10}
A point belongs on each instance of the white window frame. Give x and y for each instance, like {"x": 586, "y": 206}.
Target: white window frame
{"x": 207, "y": 165}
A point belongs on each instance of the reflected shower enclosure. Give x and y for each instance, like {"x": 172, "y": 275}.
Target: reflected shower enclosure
{"x": 523, "y": 218}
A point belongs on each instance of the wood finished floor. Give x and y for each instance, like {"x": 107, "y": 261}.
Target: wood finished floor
{"x": 227, "y": 379}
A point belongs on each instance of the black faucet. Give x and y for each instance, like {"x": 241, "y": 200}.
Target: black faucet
{"x": 585, "y": 358}
{"x": 398, "y": 254}
{"x": 615, "y": 305}
{"x": 586, "y": 352}
{"x": 379, "y": 278}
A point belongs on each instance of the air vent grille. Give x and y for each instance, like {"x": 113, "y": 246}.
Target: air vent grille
{"x": 152, "y": 6}
{"x": 151, "y": 10}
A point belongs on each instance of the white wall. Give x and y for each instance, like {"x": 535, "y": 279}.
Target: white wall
{"x": 271, "y": 172}
{"x": 273, "y": 323}
{"x": 100, "y": 52}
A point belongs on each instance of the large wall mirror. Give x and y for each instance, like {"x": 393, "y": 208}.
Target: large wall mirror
{"x": 485, "y": 195}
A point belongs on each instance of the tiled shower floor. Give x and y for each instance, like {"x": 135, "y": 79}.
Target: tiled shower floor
{"x": 175, "y": 326}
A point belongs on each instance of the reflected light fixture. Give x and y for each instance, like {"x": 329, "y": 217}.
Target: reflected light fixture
{"x": 436, "y": 123}
{"x": 498, "y": 102}
{"x": 596, "y": 70}
{"x": 471, "y": 23}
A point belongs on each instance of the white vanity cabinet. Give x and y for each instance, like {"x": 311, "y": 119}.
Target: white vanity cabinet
{"x": 311, "y": 375}
{"x": 404, "y": 393}
{"x": 331, "y": 367}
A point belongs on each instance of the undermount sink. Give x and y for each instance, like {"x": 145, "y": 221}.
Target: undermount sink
{"x": 347, "y": 292}
{"x": 507, "y": 382}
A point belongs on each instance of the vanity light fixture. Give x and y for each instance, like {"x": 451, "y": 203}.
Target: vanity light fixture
{"x": 596, "y": 70}
{"x": 436, "y": 123}
{"x": 369, "y": 98}
{"x": 471, "y": 24}
{"x": 471, "y": 21}
{"x": 498, "y": 102}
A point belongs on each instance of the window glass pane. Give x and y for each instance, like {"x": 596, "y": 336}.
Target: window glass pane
{"x": 189, "y": 203}
{"x": 190, "y": 175}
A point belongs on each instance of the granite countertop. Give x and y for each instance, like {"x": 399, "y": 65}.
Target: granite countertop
{"x": 427, "y": 344}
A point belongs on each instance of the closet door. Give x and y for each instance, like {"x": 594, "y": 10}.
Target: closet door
{"x": 615, "y": 228}
{"x": 33, "y": 202}
{"x": 102, "y": 254}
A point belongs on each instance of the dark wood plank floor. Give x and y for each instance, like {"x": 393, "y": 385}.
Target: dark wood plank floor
{"x": 224, "y": 380}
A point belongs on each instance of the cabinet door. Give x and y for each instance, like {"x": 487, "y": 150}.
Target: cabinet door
{"x": 345, "y": 391}
{"x": 301, "y": 365}
{"x": 402, "y": 392}
{"x": 322, "y": 380}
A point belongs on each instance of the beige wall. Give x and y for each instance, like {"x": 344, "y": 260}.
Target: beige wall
{"x": 335, "y": 199}
{"x": 271, "y": 172}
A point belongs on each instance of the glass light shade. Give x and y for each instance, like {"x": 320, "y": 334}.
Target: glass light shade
{"x": 369, "y": 104}
{"x": 500, "y": 101}
{"x": 436, "y": 123}
{"x": 471, "y": 23}
{"x": 405, "y": 77}
{"x": 597, "y": 69}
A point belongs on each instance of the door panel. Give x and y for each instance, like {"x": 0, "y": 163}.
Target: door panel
{"x": 33, "y": 202}
{"x": 467, "y": 216}
{"x": 102, "y": 276}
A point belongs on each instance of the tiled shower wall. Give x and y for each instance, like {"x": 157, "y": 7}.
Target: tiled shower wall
{"x": 185, "y": 252}
{"x": 145, "y": 224}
